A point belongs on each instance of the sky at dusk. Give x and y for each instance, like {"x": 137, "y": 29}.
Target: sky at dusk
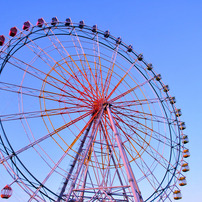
{"x": 168, "y": 33}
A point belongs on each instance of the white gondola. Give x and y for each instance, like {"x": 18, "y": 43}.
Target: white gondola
{"x": 185, "y": 139}
{"x": 186, "y": 153}
{"x": 166, "y": 88}
{"x": 172, "y": 100}
{"x": 178, "y": 112}
{"x": 177, "y": 195}
{"x": 185, "y": 167}
{"x": 149, "y": 66}
{"x": 182, "y": 181}
{"x": 130, "y": 48}
{"x": 140, "y": 57}
{"x": 158, "y": 77}
{"x": 182, "y": 126}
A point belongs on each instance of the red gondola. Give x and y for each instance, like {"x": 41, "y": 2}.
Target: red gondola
{"x": 2, "y": 39}
{"x": 26, "y": 26}
{"x": 13, "y": 31}
{"x": 54, "y": 21}
{"x": 6, "y": 192}
{"x": 40, "y": 22}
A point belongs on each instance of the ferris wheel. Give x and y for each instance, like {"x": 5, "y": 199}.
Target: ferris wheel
{"x": 85, "y": 118}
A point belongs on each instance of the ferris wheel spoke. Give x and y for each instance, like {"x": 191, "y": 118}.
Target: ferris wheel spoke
{"x": 120, "y": 81}
{"x": 41, "y": 113}
{"x": 85, "y": 92}
{"x": 84, "y": 61}
{"x": 53, "y": 84}
{"x": 142, "y": 115}
{"x": 98, "y": 66}
{"x": 23, "y": 66}
{"x": 130, "y": 90}
{"x": 165, "y": 164}
{"x": 59, "y": 44}
{"x": 51, "y": 98}
{"x": 134, "y": 129}
{"x": 39, "y": 52}
{"x": 32, "y": 91}
{"x": 137, "y": 141}
{"x": 73, "y": 101}
{"x": 28, "y": 91}
{"x": 130, "y": 109}
{"x": 45, "y": 137}
{"x": 153, "y": 152}
{"x": 155, "y": 180}
{"x": 138, "y": 123}
{"x": 110, "y": 70}
{"x": 130, "y": 103}
{"x": 86, "y": 79}
{"x": 49, "y": 58}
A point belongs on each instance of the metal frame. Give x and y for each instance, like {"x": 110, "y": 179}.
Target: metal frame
{"x": 16, "y": 43}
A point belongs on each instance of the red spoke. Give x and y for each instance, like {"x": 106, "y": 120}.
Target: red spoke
{"x": 144, "y": 127}
{"x": 130, "y": 90}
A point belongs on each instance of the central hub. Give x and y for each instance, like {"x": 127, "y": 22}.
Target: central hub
{"x": 98, "y": 104}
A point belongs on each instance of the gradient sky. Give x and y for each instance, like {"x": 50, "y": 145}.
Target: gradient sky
{"x": 168, "y": 33}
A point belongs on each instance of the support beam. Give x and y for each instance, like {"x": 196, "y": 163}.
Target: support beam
{"x": 74, "y": 163}
{"x": 129, "y": 172}
{"x": 97, "y": 122}
{"x": 114, "y": 162}
{"x": 85, "y": 177}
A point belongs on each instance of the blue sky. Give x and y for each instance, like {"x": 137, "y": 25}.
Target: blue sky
{"x": 168, "y": 33}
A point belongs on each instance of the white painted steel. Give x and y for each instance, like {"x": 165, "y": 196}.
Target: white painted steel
{"x": 130, "y": 175}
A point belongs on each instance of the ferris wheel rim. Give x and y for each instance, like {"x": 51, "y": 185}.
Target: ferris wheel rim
{"x": 125, "y": 46}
